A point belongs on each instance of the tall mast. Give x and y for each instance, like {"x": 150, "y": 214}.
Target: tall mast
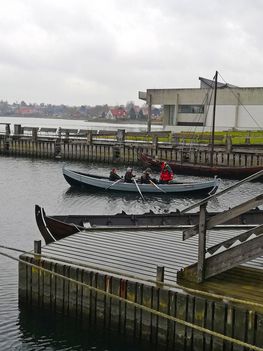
{"x": 213, "y": 122}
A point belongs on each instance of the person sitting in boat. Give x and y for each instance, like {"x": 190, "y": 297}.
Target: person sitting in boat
{"x": 128, "y": 175}
{"x": 146, "y": 177}
{"x": 166, "y": 174}
{"x": 113, "y": 175}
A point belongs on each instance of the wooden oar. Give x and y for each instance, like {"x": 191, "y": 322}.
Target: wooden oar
{"x": 137, "y": 186}
{"x": 117, "y": 181}
{"x": 156, "y": 186}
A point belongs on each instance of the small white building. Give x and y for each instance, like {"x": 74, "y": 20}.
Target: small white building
{"x": 236, "y": 108}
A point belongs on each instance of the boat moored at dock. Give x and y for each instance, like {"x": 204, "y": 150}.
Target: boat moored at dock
{"x": 233, "y": 172}
{"x": 56, "y": 227}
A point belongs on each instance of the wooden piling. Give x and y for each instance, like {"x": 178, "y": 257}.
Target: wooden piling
{"x": 48, "y": 291}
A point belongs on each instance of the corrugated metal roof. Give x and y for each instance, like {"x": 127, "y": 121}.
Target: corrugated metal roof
{"x": 137, "y": 252}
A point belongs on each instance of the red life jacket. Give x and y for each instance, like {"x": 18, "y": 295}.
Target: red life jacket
{"x": 166, "y": 175}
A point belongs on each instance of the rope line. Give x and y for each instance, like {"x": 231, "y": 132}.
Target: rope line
{"x": 139, "y": 306}
{"x": 143, "y": 279}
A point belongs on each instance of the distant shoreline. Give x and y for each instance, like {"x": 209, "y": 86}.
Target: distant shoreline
{"x": 95, "y": 120}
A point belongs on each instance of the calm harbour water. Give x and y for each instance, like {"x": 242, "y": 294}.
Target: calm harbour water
{"x": 25, "y": 182}
{"x": 72, "y": 124}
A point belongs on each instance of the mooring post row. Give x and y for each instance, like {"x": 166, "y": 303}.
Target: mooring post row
{"x": 117, "y": 151}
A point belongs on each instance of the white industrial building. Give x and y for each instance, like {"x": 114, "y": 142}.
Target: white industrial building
{"x": 236, "y": 108}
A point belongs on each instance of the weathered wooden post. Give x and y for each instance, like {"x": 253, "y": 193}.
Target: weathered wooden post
{"x": 18, "y": 129}
{"x": 175, "y": 139}
{"x": 160, "y": 274}
{"x": 247, "y": 139}
{"x": 7, "y": 129}
{"x": 6, "y": 144}
{"x": 34, "y": 134}
{"x": 201, "y": 243}
{"x": 89, "y": 137}
{"x": 120, "y": 135}
{"x": 57, "y": 145}
{"x": 155, "y": 144}
{"x": 66, "y": 136}
{"x": 37, "y": 249}
{"x": 228, "y": 144}
{"x": 59, "y": 132}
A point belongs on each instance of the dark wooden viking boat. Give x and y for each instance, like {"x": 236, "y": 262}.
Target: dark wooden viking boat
{"x": 197, "y": 169}
{"x": 57, "y": 227}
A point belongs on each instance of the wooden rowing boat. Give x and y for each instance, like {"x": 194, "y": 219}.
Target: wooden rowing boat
{"x": 57, "y": 227}
{"x": 198, "y": 169}
{"x": 80, "y": 179}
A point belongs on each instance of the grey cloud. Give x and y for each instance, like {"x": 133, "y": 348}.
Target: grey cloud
{"x": 105, "y": 51}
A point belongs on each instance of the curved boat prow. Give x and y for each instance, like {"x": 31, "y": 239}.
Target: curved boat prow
{"x": 52, "y": 229}
{"x": 42, "y": 226}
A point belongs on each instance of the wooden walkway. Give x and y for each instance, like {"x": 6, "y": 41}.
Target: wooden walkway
{"x": 242, "y": 282}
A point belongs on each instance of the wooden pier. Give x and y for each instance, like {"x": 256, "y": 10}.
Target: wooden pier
{"x": 121, "y": 146}
{"x": 197, "y": 289}
{"x": 128, "y": 280}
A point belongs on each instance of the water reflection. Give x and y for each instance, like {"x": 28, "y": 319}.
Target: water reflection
{"x": 130, "y": 202}
{"x": 42, "y": 330}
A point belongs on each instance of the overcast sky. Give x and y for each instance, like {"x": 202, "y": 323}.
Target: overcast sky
{"x": 104, "y": 51}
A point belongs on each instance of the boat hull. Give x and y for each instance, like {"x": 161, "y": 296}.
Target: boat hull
{"x": 58, "y": 227}
{"x": 204, "y": 170}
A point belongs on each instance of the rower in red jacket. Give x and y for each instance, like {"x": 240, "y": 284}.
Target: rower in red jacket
{"x": 166, "y": 174}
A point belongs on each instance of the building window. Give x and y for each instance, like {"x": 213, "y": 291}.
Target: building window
{"x": 190, "y": 108}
